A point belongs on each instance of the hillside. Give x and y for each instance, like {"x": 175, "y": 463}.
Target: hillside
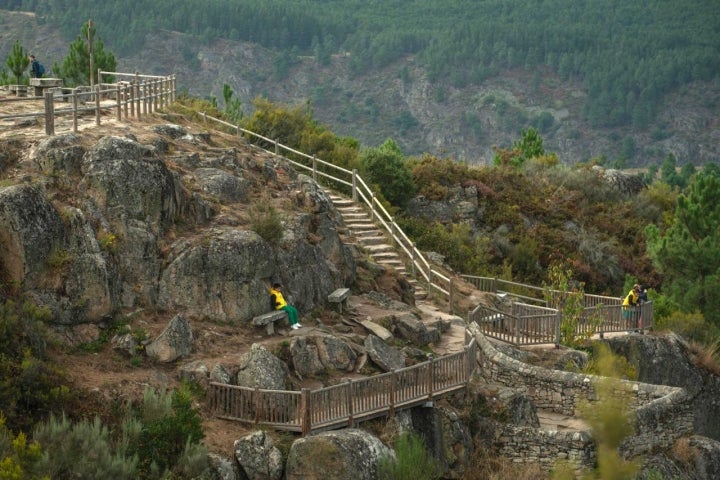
{"x": 399, "y": 101}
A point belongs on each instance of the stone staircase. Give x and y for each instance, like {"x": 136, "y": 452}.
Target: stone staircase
{"x": 374, "y": 240}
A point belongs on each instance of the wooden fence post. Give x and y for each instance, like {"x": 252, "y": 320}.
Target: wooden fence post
{"x": 431, "y": 378}
{"x": 354, "y": 185}
{"x": 49, "y": 113}
{"x": 305, "y": 417}
{"x": 314, "y": 167}
{"x": 351, "y": 421}
{"x": 75, "y": 109}
{"x": 256, "y": 405}
{"x": 97, "y": 104}
{"x": 118, "y": 102}
{"x": 137, "y": 96}
{"x": 452, "y": 296}
{"x": 558, "y": 321}
{"x": 391, "y": 393}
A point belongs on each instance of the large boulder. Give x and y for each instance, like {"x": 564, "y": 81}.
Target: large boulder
{"x": 409, "y": 327}
{"x": 320, "y": 354}
{"x": 259, "y": 368}
{"x": 221, "y": 185}
{"x": 220, "y": 278}
{"x": 383, "y": 355}
{"x": 258, "y": 457}
{"x": 174, "y": 342}
{"x": 349, "y": 454}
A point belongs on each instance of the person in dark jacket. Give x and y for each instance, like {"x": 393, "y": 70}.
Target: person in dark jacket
{"x": 34, "y": 67}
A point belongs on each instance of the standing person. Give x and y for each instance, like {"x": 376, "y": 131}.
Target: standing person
{"x": 280, "y": 304}
{"x": 35, "y": 68}
{"x": 630, "y": 304}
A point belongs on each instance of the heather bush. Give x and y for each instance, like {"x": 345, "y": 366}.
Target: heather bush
{"x": 412, "y": 461}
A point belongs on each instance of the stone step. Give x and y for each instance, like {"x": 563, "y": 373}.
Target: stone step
{"x": 372, "y": 240}
{"x": 382, "y": 248}
{"x": 361, "y": 227}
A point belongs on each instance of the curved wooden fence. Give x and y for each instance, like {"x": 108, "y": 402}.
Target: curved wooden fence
{"x": 349, "y": 402}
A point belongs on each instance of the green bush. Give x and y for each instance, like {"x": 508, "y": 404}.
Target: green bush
{"x": 30, "y": 387}
{"x": 83, "y": 449}
{"x": 266, "y": 222}
{"x": 170, "y": 432}
{"x": 412, "y": 462}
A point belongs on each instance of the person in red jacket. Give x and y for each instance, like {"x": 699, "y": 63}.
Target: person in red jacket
{"x": 280, "y": 303}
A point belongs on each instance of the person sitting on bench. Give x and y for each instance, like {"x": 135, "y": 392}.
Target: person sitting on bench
{"x": 279, "y": 303}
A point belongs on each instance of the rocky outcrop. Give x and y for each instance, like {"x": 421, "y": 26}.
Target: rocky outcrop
{"x": 258, "y": 457}
{"x": 174, "y": 342}
{"x": 259, "y": 368}
{"x": 321, "y": 354}
{"x": 147, "y": 230}
{"x": 383, "y": 355}
{"x": 666, "y": 360}
{"x": 349, "y": 454}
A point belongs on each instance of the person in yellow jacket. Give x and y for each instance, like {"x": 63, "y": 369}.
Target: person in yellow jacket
{"x": 630, "y": 303}
{"x": 280, "y": 303}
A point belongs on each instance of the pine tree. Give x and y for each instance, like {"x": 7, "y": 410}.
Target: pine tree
{"x": 18, "y": 62}
{"x": 75, "y": 68}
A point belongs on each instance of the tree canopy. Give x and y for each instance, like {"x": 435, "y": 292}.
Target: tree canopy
{"x": 688, "y": 252}
{"x": 628, "y": 54}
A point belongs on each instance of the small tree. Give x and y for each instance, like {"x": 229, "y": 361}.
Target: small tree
{"x": 386, "y": 167}
{"x": 75, "y": 68}
{"x": 18, "y": 62}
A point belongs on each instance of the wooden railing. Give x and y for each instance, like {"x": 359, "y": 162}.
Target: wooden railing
{"x": 349, "y": 402}
{"x": 526, "y": 324}
{"x": 435, "y": 281}
{"x": 140, "y": 94}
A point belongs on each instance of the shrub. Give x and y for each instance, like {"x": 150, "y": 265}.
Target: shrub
{"x": 170, "y": 429}
{"x": 30, "y": 387}
{"x": 266, "y": 222}
{"x": 82, "y": 450}
{"x": 412, "y": 462}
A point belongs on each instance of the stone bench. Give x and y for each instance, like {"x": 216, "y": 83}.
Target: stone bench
{"x": 268, "y": 320}
{"x": 340, "y": 297}
{"x": 41, "y": 84}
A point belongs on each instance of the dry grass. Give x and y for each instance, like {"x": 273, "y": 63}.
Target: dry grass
{"x": 683, "y": 451}
{"x": 706, "y": 356}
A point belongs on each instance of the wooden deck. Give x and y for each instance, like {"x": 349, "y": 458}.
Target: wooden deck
{"x": 349, "y": 402}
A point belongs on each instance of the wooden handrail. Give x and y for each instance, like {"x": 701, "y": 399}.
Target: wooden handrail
{"x": 349, "y": 402}
{"x": 359, "y": 190}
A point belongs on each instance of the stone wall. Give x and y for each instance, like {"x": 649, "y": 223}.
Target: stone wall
{"x": 662, "y": 414}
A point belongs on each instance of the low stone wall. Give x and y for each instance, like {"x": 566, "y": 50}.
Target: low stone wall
{"x": 662, "y": 414}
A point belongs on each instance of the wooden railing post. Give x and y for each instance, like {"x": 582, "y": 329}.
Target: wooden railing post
{"x": 118, "y": 102}
{"x": 351, "y": 420}
{"x": 354, "y": 185}
{"x": 431, "y": 378}
{"x": 558, "y": 321}
{"x": 413, "y": 259}
{"x": 75, "y": 109}
{"x": 305, "y": 417}
{"x": 372, "y": 206}
{"x": 137, "y": 96}
{"x": 131, "y": 100}
{"x": 125, "y": 100}
{"x": 145, "y": 96}
{"x": 430, "y": 283}
{"x": 49, "y": 113}
{"x": 452, "y": 296}
{"x": 256, "y": 404}
{"x": 314, "y": 167}
{"x": 277, "y": 148}
{"x": 392, "y": 232}
{"x": 391, "y": 393}
{"x": 97, "y": 104}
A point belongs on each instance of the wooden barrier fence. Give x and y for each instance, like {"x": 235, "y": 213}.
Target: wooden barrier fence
{"x": 140, "y": 94}
{"x": 349, "y": 402}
